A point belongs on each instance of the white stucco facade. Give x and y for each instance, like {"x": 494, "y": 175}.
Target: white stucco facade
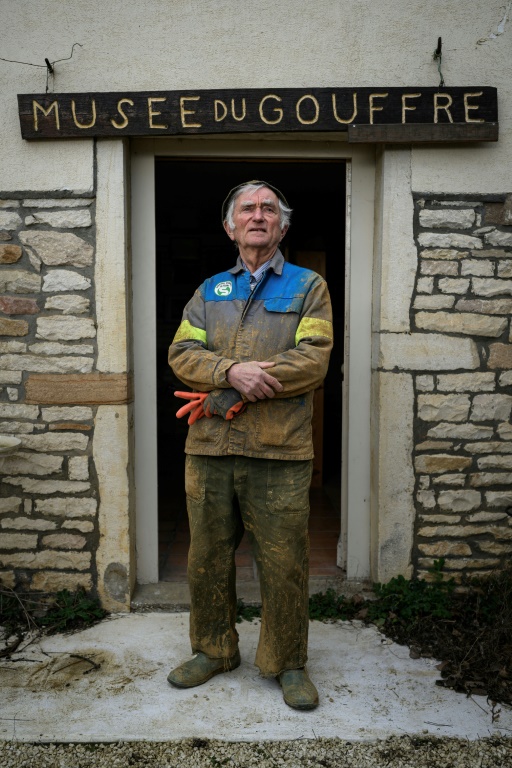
{"x": 389, "y": 355}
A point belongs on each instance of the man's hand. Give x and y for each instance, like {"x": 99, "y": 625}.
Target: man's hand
{"x": 252, "y": 381}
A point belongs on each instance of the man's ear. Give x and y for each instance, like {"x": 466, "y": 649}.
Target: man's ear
{"x": 284, "y": 231}
{"x": 229, "y": 231}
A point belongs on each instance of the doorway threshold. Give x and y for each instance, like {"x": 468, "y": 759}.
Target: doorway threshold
{"x": 173, "y": 596}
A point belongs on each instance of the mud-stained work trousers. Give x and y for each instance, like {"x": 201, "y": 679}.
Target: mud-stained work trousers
{"x": 273, "y": 497}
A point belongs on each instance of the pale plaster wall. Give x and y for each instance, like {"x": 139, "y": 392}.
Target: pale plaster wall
{"x": 222, "y": 43}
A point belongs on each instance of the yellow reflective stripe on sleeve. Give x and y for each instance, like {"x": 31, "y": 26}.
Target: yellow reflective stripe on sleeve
{"x": 188, "y": 332}
{"x": 313, "y": 326}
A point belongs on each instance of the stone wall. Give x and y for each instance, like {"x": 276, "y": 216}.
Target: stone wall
{"x": 462, "y": 420}
{"x": 48, "y": 489}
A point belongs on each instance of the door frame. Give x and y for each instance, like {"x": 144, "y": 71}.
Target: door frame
{"x": 355, "y": 540}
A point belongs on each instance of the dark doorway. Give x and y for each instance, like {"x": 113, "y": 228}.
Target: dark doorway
{"x": 191, "y": 245}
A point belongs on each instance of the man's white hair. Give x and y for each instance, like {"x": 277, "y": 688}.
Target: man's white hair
{"x": 285, "y": 213}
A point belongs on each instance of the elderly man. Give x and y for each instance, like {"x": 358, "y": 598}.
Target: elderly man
{"x": 254, "y": 344}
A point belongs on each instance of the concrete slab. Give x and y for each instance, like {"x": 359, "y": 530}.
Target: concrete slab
{"x": 369, "y": 688}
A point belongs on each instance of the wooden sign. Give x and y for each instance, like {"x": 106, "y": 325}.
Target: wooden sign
{"x": 472, "y": 111}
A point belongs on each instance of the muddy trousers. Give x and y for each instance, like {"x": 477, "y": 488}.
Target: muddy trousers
{"x": 273, "y": 497}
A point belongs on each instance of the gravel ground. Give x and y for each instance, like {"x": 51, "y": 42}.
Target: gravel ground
{"x": 395, "y": 752}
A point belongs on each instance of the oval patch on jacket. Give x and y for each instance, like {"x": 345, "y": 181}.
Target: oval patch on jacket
{"x": 224, "y": 288}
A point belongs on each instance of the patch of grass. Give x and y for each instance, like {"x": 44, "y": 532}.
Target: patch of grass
{"x": 72, "y": 610}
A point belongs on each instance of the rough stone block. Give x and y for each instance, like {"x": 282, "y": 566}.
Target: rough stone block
{"x": 55, "y": 442}
{"x": 65, "y": 328}
{"x": 18, "y": 541}
{"x": 78, "y": 468}
{"x": 65, "y": 425}
{"x": 22, "y": 463}
{"x": 505, "y": 379}
{"x": 9, "y": 220}
{"x": 67, "y": 413}
{"x": 62, "y": 561}
{"x": 11, "y": 411}
{"x": 424, "y": 482}
{"x": 425, "y": 383}
{"x": 486, "y": 286}
{"x": 443, "y": 407}
{"x": 64, "y": 280}
{"x": 494, "y": 548}
{"x": 480, "y": 479}
{"x": 445, "y": 549}
{"x": 447, "y": 218}
{"x": 64, "y": 541}
{"x": 478, "y": 267}
{"x": 500, "y": 356}
{"x": 10, "y": 504}
{"x": 460, "y": 432}
{"x": 56, "y": 348}
{"x": 495, "y": 462}
{"x": 439, "y": 268}
{"x": 438, "y": 301}
{"x": 68, "y": 304}
{"x": 9, "y": 203}
{"x": 10, "y": 305}
{"x": 68, "y": 508}
{"x": 10, "y": 377}
{"x": 434, "y": 445}
{"x": 453, "y": 285}
{"x": 57, "y": 248}
{"x": 416, "y": 351}
{"x": 452, "y": 480}
{"x": 505, "y": 268}
{"x": 16, "y": 427}
{"x": 443, "y": 254}
{"x": 27, "y": 524}
{"x": 472, "y": 563}
{"x": 486, "y": 517}
{"x": 53, "y": 581}
{"x": 13, "y": 327}
{"x": 70, "y": 219}
{"x": 50, "y": 365}
{"x": 7, "y": 579}
{"x": 505, "y": 431}
{"x": 500, "y": 239}
{"x": 425, "y": 285}
{"x": 484, "y": 306}
{"x": 12, "y": 346}
{"x": 470, "y": 325}
{"x": 490, "y": 447}
{"x": 427, "y": 499}
{"x": 19, "y": 281}
{"x": 457, "y": 531}
{"x": 466, "y": 382}
{"x": 31, "y": 485}
{"x": 85, "y": 526}
{"x": 449, "y": 240}
{"x": 10, "y": 254}
{"x": 435, "y": 464}
{"x": 459, "y": 501}
{"x": 491, "y": 408}
{"x": 92, "y": 389}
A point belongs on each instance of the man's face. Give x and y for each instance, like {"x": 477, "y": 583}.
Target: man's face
{"x": 256, "y": 218}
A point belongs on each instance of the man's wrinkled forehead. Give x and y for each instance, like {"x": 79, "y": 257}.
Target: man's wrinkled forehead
{"x": 263, "y": 196}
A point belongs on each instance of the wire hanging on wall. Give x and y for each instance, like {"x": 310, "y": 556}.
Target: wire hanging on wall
{"x": 48, "y": 65}
{"x": 438, "y": 56}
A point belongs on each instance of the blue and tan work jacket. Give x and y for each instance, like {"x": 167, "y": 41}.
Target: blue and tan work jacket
{"x": 286, "y": 319}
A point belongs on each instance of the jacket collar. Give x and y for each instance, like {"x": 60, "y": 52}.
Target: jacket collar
{"x": 276, "y": 263}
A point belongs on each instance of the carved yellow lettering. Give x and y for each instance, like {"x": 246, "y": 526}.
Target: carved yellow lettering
{"x": 277, "y": 110}
{"x": 54, "y": 105}
{"x": 184, "y": 112}
{"x": 217, "y": 105}
{"x": 446, "y": 106}
{"x": 233, "y": 110}
{"x": 372, "y": 106}
{"x": 405, "y": 106}
{"x": 468, "y": 106}
{"x": 124, "y": 123}
{"x": 152, "y": 113}
{"x": 317, "y": 110}
{"x": 75, "y": 119}
{"x": 335, "y": 110}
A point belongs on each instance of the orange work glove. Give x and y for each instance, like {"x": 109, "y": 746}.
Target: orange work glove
{"x": 194, "y": 408}
{"x": 226, "y": 403}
